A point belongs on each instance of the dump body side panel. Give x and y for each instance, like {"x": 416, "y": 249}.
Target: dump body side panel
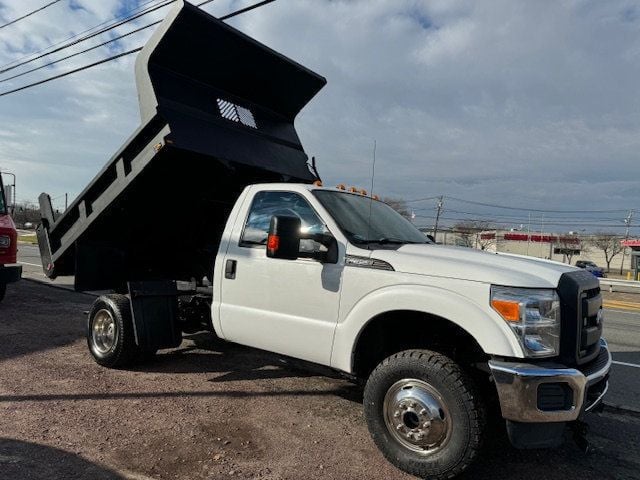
{"x": 217, "y": 112}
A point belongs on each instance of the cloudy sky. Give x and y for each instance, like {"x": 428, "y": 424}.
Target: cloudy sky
{"x": 524, "y": 104}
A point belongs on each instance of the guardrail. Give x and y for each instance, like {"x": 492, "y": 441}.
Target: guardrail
{"x": 617, "y": 284}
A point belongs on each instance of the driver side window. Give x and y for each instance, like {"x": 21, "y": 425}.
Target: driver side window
{"x": 268, "y": 204}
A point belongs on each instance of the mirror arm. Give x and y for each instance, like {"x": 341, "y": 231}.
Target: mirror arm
{"x": 322, "y": 238}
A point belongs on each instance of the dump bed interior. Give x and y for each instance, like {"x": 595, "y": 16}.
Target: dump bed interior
{"x": 217, "y": 112}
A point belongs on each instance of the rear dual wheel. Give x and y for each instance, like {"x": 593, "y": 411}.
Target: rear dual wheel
{"x": 424, "y": 414}
{"x": 110, "y": 333}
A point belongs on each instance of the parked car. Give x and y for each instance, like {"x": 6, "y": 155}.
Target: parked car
{"x": 589, "y": 266}
{"x": 9, "y": 271}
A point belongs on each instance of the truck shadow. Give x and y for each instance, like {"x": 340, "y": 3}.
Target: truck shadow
{"x": 24, "y": 460}
{"x": 204, "y": 353}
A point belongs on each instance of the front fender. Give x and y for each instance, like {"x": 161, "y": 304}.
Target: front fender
{"x": 481, "y": 322}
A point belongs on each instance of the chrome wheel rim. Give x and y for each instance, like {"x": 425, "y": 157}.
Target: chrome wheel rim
{"x": 417, "y": 416}
{"x": 104, "y": 332}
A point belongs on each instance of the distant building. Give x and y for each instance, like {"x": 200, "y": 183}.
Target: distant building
{"x": 566, "y": 248}
{"x": 634, "y": 245}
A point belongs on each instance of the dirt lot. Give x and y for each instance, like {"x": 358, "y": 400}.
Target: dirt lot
{"x": 210, "y": 410}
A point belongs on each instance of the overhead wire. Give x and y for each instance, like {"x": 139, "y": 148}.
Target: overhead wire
{"x": 33, "y": 12}
{"x": 521, "y": 209}
{"x": 91, "y": 35}
{"x": 123, "y": 54}
{"x": 523, "y": 219}
{"x": 70, "y": 72}
{"x": 596, "y": 225}
{"x": 115, "y": 39}
{"x": 109, "y": 21}
{"x": 531, "y": 209}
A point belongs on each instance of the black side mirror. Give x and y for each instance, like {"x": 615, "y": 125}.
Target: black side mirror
{"x": 284, "y": 238}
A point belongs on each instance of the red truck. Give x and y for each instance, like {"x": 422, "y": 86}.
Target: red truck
{"x": 9, "y": 271}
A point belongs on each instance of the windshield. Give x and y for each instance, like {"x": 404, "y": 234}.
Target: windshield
{"x": 366, "y": 221}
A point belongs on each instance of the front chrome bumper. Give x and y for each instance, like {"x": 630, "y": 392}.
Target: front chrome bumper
{"x": 522, "y": 399}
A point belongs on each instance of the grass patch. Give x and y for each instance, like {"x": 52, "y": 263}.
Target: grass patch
{"x": 28, "y": 238}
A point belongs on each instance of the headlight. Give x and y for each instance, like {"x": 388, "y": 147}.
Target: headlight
{"x": 533, "y": 315}
{"x": 5, "y": 241}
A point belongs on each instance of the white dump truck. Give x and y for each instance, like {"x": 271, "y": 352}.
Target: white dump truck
{"x": 210, "y": 218}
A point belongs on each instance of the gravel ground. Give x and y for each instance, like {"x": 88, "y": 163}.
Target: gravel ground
{"x": 210, "y": 410}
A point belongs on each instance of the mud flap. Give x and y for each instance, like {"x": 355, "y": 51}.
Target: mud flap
{"x": 154, "y": 308}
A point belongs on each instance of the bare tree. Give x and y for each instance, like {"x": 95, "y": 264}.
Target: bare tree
{"x": 26, "y": 212}
{"x": 568, "y": 245}
{"x": 399, "y": 205}
{"x": 609, "y": 243}
{"x": 471, "y": 234}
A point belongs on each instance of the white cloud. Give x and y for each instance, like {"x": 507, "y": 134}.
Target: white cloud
{"x": 535, "y": 103}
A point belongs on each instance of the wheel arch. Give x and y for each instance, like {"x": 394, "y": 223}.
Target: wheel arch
{"x": 406, "y": 307}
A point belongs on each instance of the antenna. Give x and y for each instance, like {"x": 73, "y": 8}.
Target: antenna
{"x": 373, "y": 176}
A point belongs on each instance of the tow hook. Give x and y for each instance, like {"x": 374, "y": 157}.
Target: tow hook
{"x": 580, "y": 430}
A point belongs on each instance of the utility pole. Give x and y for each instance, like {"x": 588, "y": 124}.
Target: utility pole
{"x": 627, "y": 222}
{"x": 528, "y": 233}
{"x": 435, "y": 226}
{"x": 66, "y": 201}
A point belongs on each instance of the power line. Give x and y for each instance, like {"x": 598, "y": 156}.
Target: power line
{"x": 15, "y": 20}
{"x": 120, "y": 55}
{"x": 523, "y": 218}
{"x": 423, "y": 199}
{"x": 246, "y": 9}
{"x": 75, "y": 70}
{"x": 124, "y": 15}
{"x": 565, "y": 224}
{"x": 89, "y": 36}
{"x": 532, "y": 209}
{"x": 77, "y": 53}
{"x": 524, "y": 209}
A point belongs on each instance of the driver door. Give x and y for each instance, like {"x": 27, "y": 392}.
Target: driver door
{"x": 285, "y": 306}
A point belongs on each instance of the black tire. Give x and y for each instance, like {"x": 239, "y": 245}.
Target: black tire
{"x": 121, "y": 350}
{"x": 443, "y": 379}
{"x": 3, "y": 291}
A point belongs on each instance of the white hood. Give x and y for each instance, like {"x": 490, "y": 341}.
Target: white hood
{"x": 475, "y": 265}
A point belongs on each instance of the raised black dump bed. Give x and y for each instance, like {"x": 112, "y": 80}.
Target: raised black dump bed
{"x": 217, "y": 112}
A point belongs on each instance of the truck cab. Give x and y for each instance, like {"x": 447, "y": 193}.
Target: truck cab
{"x": 9, "y": 271}
{"x": 350, "y": 284}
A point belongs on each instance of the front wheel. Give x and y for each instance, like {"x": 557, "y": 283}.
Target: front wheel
{"x": 424, "y": 414}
